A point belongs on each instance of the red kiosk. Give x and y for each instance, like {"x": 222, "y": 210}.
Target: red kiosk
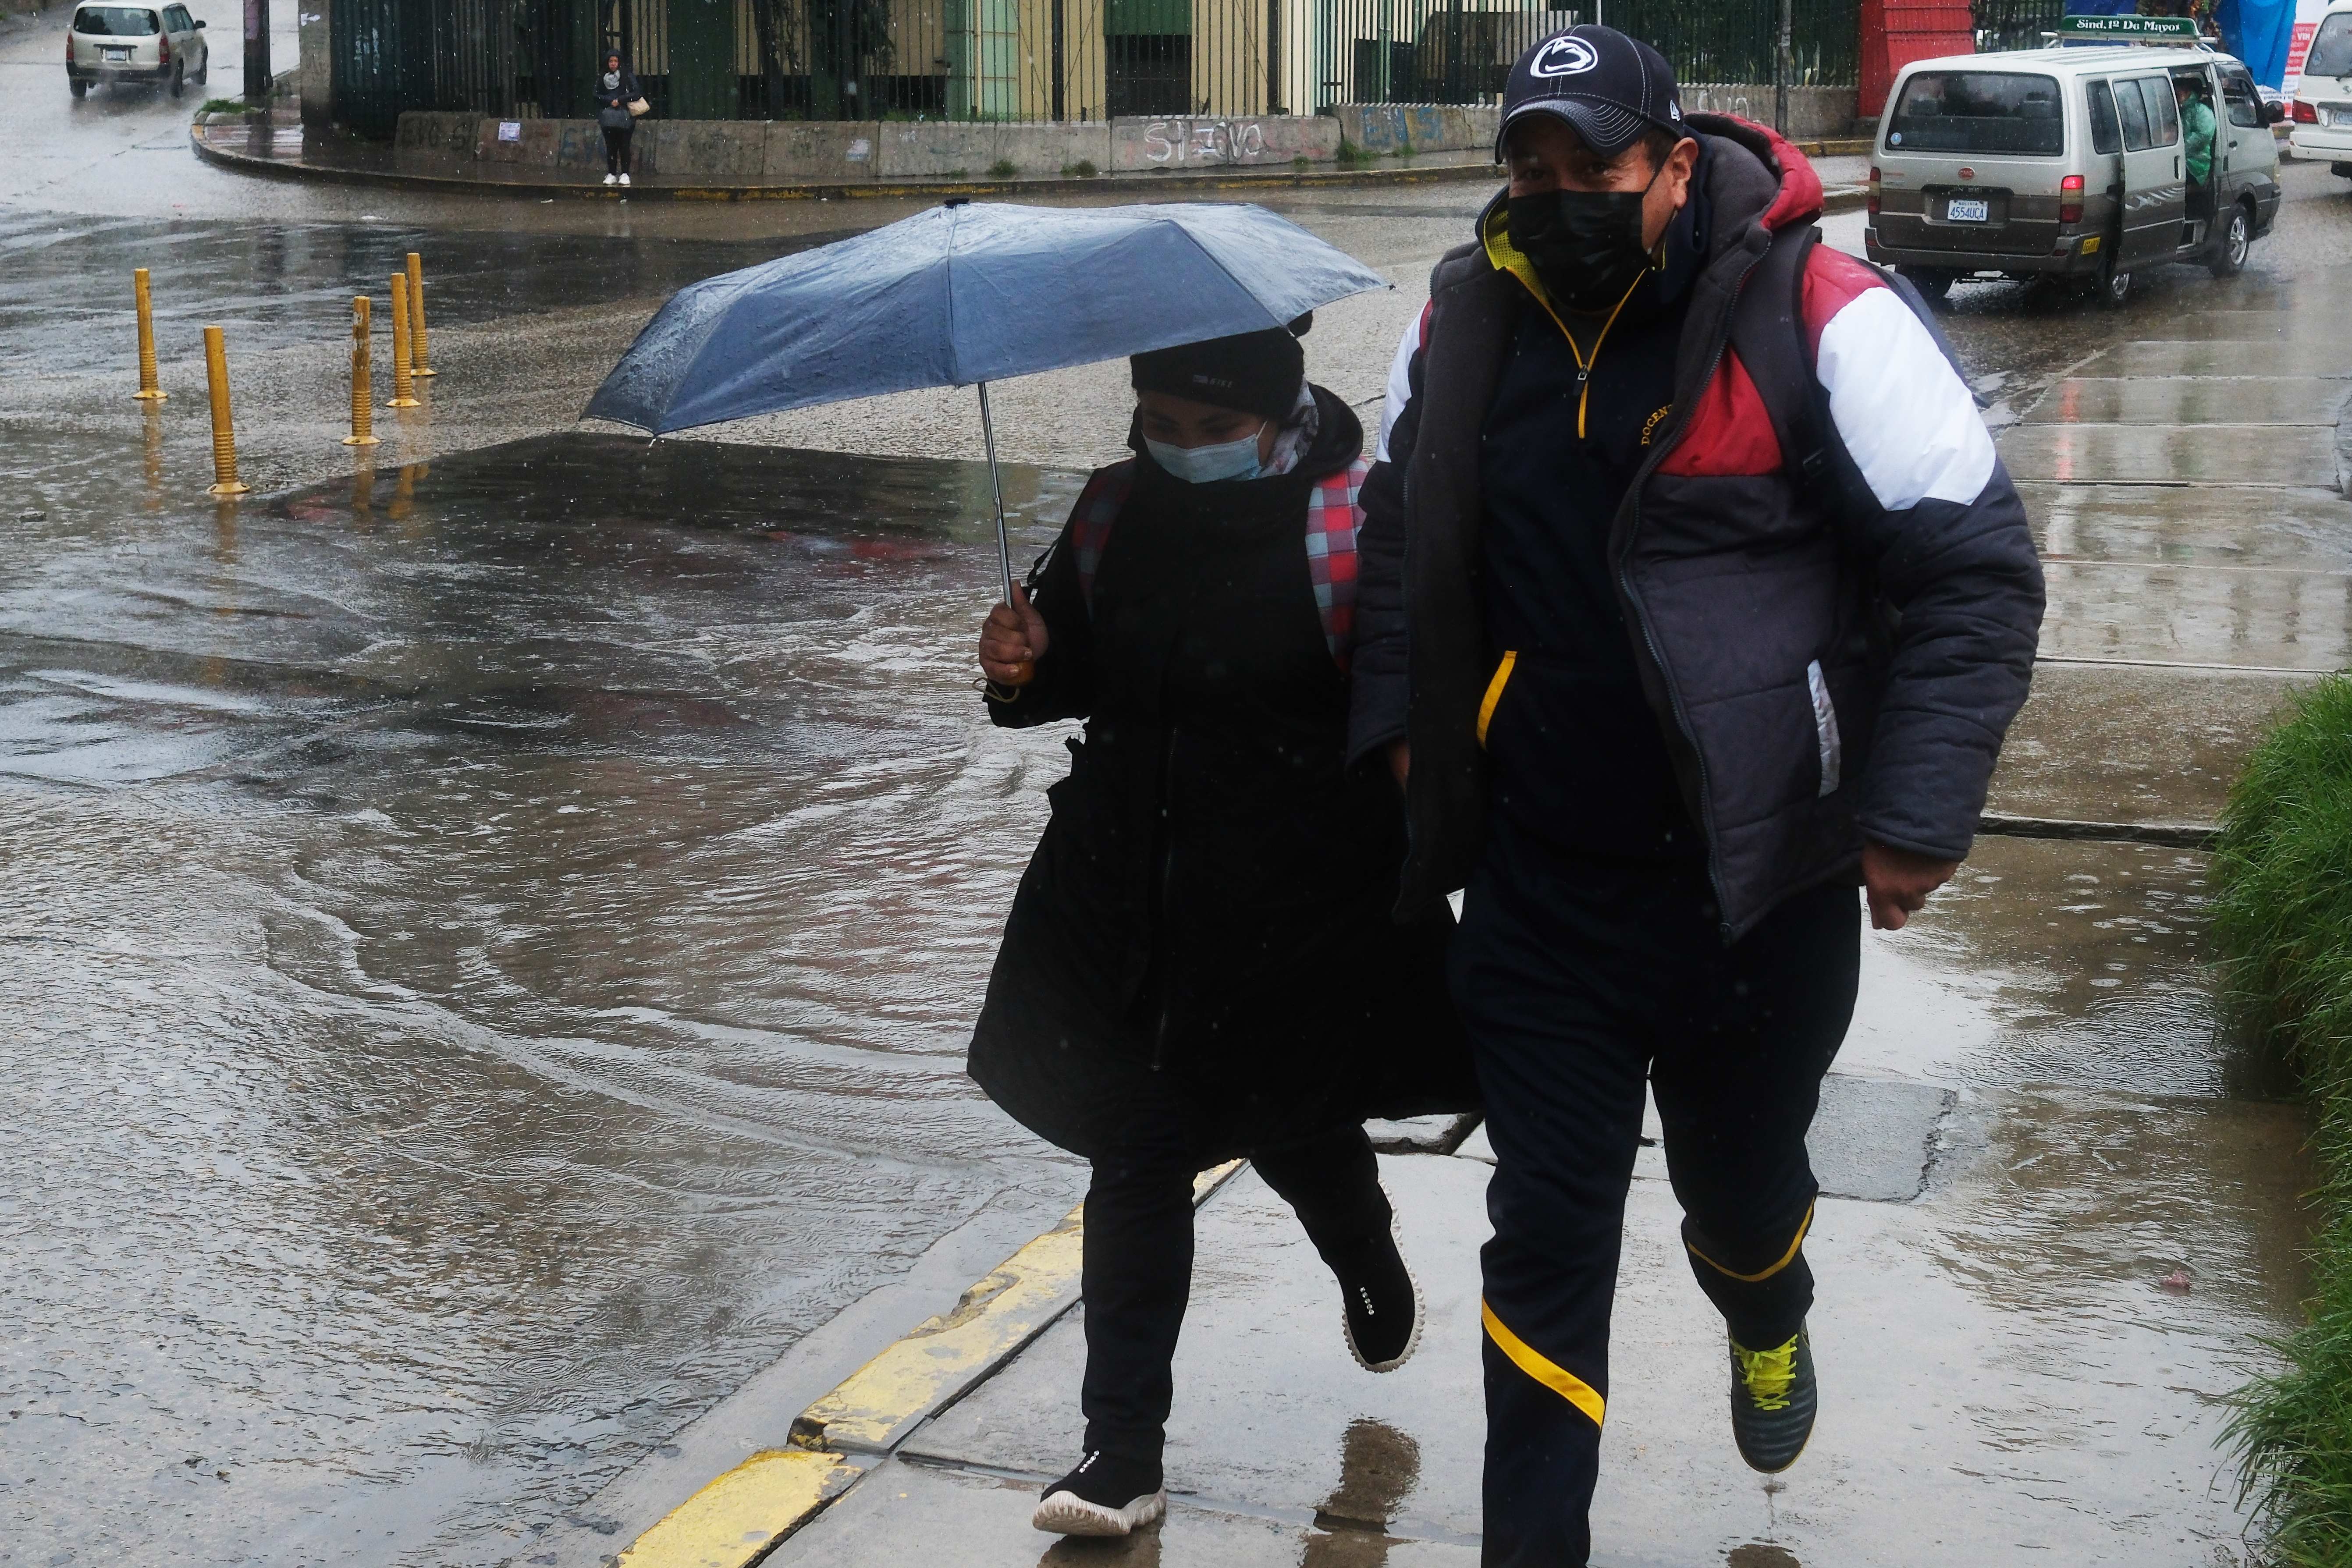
{"x": 1897, "y": 32}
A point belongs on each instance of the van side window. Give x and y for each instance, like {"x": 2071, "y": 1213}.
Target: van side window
{"x": 2238, "y": 93}
{"x": 2163, "y": 114}
{"x": 2107, "y": 136}
{"x": 2132, "y": 109}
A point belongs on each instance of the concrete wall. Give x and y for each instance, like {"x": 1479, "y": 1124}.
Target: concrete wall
{"x": 801, "y": 152}
{"x": 315, "y": 71}
{"x": 1143, "y": 144}
{"x": 1814, "y": 113}
{"x": 1381, "y": 128}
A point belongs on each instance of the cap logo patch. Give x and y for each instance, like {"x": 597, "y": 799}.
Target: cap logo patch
{"x": 1563, "y": 57}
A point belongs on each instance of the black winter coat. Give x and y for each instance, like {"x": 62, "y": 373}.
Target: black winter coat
{"x": 1209, "y": 908}
{"x": 1796, "y": 725}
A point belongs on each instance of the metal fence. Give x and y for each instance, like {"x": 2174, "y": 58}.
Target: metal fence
{"x": 1737, "y": 40}
{"x": 2015, "y": 23}
{"x": 1015, "y": 59}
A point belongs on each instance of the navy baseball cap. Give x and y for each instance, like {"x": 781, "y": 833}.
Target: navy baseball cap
{"x": 1610, "y": 86}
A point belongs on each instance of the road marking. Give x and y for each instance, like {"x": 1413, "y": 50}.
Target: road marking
{"x": 739, "y": 1517}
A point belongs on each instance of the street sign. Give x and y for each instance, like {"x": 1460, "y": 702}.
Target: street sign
{"x": 2127, "y": 28}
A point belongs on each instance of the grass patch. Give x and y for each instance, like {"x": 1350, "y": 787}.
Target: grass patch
{"x": 1084, "y": 169}
{"x": 1002, "y": 169}
{"x": 2282, "y": 920}
{"x": 227, "y": 106}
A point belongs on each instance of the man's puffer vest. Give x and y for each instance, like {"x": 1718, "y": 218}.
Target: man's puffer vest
{"x": 1761, "y": 621}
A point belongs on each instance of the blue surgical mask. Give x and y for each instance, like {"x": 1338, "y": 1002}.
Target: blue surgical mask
{"x": 1208, "y": 465}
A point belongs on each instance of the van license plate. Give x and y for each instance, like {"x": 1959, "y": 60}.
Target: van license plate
{"x": 114, "y": 54}
{"x": 1961, "y": 212}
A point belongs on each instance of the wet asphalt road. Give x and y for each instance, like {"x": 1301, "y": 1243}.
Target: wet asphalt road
{"x": 490, "y": 937}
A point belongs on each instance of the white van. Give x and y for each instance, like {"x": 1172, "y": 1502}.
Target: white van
{"x": 160, "y": 44}
{"x": 2072, "y": 164}
{"x": 2322, "y": 99}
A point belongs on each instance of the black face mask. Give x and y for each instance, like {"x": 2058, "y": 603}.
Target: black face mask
{"x": 1586, "y": 246}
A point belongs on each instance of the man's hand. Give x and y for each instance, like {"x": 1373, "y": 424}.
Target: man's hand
{"x": 1012, "y": 641}
{"x": 1897, "y": 882}
{"x": 1401, "y": 760}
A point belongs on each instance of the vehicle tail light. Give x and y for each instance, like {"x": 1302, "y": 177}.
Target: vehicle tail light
{"x": 2304, "y": 114}
{"x": 1873, "y": 190}
{"x": 163, "y": 52}
{"x": 2070, "y": 199}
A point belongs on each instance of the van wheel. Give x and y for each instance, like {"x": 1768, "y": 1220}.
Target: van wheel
{"x": 2230, "y": 256}
{"x": 1932, "y": 282}
{"x": 2114, "y": 288}
{"x": 179, "y": 77}
{"x": 79, "y": 87}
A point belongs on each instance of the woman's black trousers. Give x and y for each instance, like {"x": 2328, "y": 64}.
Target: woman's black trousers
{"x": 616, "y": 148}
{"x": 1138, "y": 1268}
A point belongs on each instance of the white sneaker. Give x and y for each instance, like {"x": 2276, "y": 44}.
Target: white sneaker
{"x": 608, "y": 178}
{"x": 624, "y": 178}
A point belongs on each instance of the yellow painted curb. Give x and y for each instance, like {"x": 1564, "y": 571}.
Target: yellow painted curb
{"x": 879, "y": 1403}
{"x": 740, "y": 1516}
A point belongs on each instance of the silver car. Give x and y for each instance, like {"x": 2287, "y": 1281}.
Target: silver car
{"x": 158, "y": 43}
{"x": 2071, "y": 163}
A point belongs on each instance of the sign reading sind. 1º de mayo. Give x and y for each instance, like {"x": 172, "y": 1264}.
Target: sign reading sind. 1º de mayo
{"x": 2127, "y": 28}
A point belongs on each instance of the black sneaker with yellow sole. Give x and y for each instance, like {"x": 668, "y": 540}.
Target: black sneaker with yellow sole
{"x": 1774, "y": 1398}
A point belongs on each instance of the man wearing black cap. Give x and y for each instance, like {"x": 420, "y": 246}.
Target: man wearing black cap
{"x": 1693, "y": 594}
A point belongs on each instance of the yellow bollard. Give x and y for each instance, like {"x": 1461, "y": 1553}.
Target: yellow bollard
{"x": 225, "y": 479}
{"x": 417, "y": 367}
{"x": 363, "y": 397}
{"x": 149, "y": 392}
{"x": 404, "y": 392}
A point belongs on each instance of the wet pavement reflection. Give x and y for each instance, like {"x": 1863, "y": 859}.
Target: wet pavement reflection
{"x": 491, "y": 969}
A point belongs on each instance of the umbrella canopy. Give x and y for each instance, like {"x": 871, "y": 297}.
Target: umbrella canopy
{"x": 966, "y": 294}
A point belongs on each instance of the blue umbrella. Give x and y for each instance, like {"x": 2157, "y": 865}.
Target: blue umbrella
{"x": 963, "y": 294}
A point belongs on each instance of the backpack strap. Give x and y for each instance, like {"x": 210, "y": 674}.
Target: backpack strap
{"x": 1090, "y": 520}
{"x": 1333, "y": 518}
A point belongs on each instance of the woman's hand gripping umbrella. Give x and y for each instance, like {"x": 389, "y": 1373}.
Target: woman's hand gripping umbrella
{"x": 963, "y": 294}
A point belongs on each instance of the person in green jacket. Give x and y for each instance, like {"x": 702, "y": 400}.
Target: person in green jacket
{"x": 2195, "y": 128}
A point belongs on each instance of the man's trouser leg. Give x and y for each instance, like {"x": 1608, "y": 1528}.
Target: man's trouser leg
{"x": 1561, "y": 1069}
{"x": 1737, "y": 1078}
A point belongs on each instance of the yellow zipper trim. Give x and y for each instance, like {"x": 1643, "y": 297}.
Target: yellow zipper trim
{"x": 1495, "y": 692}
{"x": 1786, "y": 1257}
{"x": 1507, "y": 257}
{"x": 1544, "y": 1370}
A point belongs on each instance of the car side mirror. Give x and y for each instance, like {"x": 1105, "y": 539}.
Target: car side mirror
{"x": 200, "y": 21}
{"x": 2273, "y": 113}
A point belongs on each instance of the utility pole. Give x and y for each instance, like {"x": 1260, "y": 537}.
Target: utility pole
{"x": 1783, "y": 67}
{"x": 257, "y": 52}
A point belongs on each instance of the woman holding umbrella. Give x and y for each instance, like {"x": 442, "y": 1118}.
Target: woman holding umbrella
{"x": 1202, "y": 961}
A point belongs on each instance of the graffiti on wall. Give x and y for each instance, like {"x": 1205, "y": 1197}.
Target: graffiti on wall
{"x": 1178, "y": 142}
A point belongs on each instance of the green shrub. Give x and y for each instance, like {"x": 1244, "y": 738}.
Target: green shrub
{"x": 1351, "y": 156}
{"x": 225, "y": 105}
{"x": 1405, "y": 150}
{"x": 1084, "y": 169}
{"x": 1002, "y": 169}
{"x": 957, "y": 174}
{"x": 1302, "y": 162}
{"x": 2282, "y": 922}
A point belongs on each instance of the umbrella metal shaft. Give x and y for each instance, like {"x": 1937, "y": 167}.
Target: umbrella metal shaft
{"x": 1003, "y": 543}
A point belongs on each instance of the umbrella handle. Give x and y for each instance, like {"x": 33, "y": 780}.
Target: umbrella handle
{"x": 996, "y": 480}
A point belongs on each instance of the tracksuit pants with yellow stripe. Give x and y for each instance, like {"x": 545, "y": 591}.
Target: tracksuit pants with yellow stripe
{"x": 1578, "y": 981}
